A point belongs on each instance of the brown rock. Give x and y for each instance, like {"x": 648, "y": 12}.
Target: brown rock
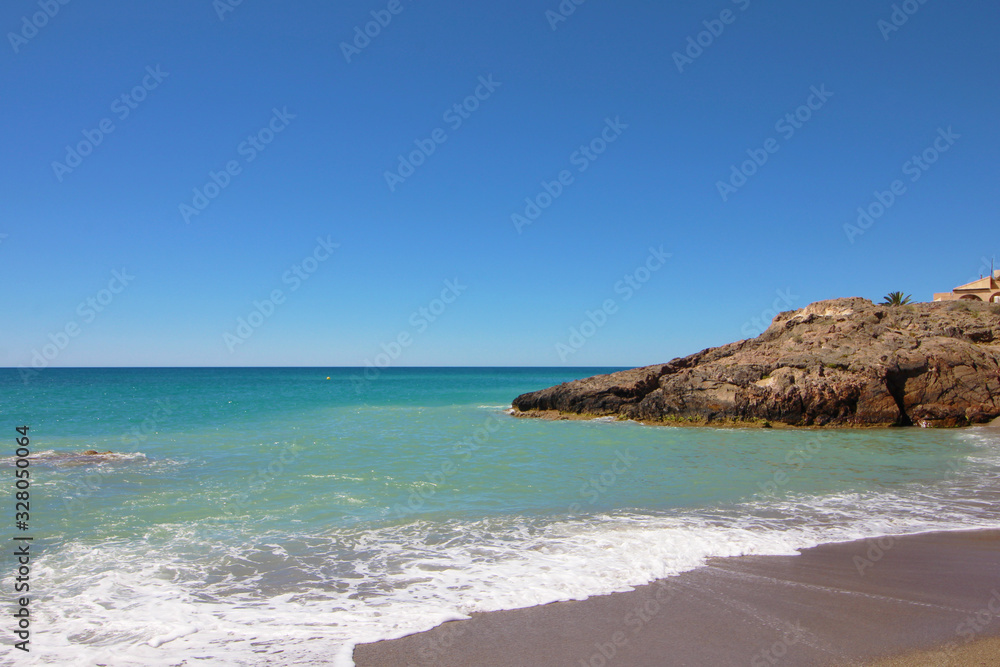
{"x": 844, "y": 362}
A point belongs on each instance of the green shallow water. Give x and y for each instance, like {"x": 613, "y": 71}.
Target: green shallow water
{"x": 414, "y": 496}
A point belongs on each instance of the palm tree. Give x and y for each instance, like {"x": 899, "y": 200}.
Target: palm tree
{"x": 896, "y": 299}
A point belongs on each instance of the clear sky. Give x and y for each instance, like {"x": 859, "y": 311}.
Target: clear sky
{"x": 250, "y": 139}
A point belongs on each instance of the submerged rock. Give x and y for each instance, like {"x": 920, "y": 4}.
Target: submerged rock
{"x": 843, "y": 362}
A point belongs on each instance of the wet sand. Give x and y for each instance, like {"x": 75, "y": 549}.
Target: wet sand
{"x": 853, "y": 603}
{"x": 984, "y": 653}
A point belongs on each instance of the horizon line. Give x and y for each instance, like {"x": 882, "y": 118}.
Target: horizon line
{"x": 387, "y": 368}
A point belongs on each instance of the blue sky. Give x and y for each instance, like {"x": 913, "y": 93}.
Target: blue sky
{"x": 640, "y": 136}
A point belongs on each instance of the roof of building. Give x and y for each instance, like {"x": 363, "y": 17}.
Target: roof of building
{"x": 987, "y": 283}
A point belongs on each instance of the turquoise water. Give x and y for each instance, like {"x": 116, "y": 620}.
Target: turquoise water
{"x": 246, "y": 512}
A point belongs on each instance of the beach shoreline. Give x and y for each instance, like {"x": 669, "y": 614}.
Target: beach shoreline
{"x": 721, "y": 424}
{"x": 849, "y": 603}
{"x": 978, "y": 653}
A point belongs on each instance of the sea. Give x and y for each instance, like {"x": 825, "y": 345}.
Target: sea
{"x": 280, "y": 516}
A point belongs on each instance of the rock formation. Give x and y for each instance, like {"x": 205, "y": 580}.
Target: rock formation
{"x": 843, "y": 362}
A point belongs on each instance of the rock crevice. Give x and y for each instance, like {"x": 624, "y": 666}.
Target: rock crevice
{"x": 843, "y": 362}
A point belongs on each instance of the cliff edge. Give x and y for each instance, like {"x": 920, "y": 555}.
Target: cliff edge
{"x": 837, "y": 363}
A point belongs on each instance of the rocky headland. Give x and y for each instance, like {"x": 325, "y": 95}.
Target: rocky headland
{"x": 838, "y": 363}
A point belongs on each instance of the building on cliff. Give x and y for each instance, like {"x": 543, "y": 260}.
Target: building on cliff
{"x": 984, "y": 289}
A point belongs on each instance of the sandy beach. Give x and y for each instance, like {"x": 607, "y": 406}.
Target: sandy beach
{"x": 929, "y": 599}
{"x": 982, "y": 653}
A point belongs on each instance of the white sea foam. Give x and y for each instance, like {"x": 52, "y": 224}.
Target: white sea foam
{"x": 291, "y": 600}
{"x": 194, "y": 591}
{"x": 77, "y": 458}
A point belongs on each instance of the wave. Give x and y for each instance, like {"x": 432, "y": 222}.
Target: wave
{"x": 229, "y": 595}
{"x": 77, "y": 458}
{"x": 142, "y": 601}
